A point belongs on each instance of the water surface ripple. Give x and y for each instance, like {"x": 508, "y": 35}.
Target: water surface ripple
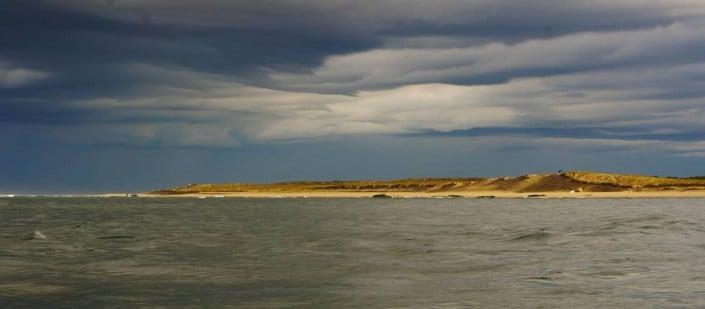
{"x": 425, "y": 253}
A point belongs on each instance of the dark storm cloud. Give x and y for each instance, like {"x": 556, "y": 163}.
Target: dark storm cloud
{"x": 86, "y": 55}
{"x": 270, "y": 70}
{"x": 86, "y": 38}
{"x": 55, "y": 36}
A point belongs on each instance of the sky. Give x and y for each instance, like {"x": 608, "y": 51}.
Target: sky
{"x": 127, "y": 95}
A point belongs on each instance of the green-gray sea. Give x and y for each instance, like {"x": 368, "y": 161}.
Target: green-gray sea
{"x": 356, "y": 253}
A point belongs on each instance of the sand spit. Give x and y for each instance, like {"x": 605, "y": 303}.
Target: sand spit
{"x": 569, "y": 184}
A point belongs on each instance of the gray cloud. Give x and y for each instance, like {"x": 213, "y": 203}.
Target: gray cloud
{"x": 412, "y": 17}
{"x": 14, "y": 77}
{"x": 229, "y": 73}
{"x": 495, "y": 62}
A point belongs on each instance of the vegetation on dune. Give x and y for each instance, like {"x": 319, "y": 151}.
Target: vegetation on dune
{"x": 565, "y": 181}
{"x": 634, "y": 181}
{"x": 411, "y": 185}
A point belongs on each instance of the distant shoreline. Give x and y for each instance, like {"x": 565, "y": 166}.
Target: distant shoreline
{"x": 475, "y": 195}
{"x": 568, "y": 184}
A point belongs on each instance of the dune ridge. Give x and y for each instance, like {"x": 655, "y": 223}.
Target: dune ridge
{"x": 568, "y": 181}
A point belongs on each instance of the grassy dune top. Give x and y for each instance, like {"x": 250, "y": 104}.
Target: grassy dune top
{"x": 416, "y": 184}
{"x": 579, "y": 181}
{"x": 634, "y": 181}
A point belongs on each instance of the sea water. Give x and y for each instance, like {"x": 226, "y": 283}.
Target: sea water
{"x": 359, "y": 253}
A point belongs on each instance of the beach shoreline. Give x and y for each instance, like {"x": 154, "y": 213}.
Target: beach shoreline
{"x": 449, "y": 194}
{"x": 565, "y": 184}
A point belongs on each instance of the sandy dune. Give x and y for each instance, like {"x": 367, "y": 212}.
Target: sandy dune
{"x": 570, "y": 184}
